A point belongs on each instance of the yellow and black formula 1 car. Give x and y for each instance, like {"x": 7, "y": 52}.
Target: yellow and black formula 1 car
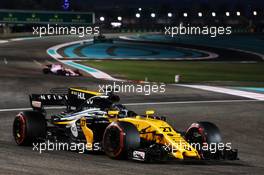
{"x": 99, "y": 122}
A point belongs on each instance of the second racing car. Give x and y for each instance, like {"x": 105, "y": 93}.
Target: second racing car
{"x": 58, "y": 69}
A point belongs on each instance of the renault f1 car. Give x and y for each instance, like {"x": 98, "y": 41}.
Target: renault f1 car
{"x": 95, "y": 118}
{"x": 58, "y": 69}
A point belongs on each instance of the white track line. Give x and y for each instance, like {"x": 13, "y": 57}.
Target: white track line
{"x": 5, "y": 61}
{"x": 96, "y": 73}
{"x": 249, "y": 52}
{"x": 37, "y": 62}
{"x": 251, "y": 95}
{"x": 147, "y": 103}
{"x": 56, "y": 55}
{"x": 23, "y": 38}
{"x": 24, "y": 109}
{"x": 48, "y": 62}
{"x": 3, "y": 41}
{"x": 190, "y": 102}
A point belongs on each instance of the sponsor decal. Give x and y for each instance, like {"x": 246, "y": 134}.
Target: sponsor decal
{"x": 74, "y": 130}
{"x": 81, "y": 96}
{"x": 139, "y": 155}
{"x": 53, "y": 97}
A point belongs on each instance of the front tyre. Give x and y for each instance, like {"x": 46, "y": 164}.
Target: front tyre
{"x": 204, "y": 135}
{"x": 119, "y": 138}
{"x": 29, "y": 127}
{"x": 46, "y": 70}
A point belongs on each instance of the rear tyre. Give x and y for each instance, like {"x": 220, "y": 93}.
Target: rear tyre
{"x": 29, "y": 127}
{"x": 77, "y": 72}
{"x": 119, "y": 138}
{"x": 204, "y": 134}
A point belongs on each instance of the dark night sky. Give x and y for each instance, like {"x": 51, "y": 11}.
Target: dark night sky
{"x": 175, "y": 2}
{"x": 97, "y": 4}
{"x": 179, "y": 4}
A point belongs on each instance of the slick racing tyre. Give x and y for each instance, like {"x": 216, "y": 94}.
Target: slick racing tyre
{"x": 46, "y": 70}
{"x": 119, "y": 138}
{"x": 61, "y": 72}
{"x": 78, "y": 72}
{"x": 203, "y": 135}
{"x": 29, "y": 127}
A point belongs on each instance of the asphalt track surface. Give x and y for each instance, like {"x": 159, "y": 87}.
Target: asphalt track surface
{"x": 241, "y": 121}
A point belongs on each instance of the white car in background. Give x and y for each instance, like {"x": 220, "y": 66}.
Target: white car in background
{"x": 58, "y": 69}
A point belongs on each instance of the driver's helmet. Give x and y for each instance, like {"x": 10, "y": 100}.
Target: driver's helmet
{"x": 56, "y": 67}
{"x": 121, "y": 108}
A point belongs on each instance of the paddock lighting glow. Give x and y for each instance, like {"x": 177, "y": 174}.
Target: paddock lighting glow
{"x": 200, "y": 14}
{"x": 169, "y": 15}
{"x": 255, "y": 13}
{"x": 238, "y": 13}
{"x": 139, "y": 9}
{"x": 227, "y": 14}
{"x": 102, "y": 18}
{"x": 213, "y": 14}
{"x": 153, "y": 15}
{"x": 137, "y": 15}
{"x": 119, "y": 18}
{"x": 185, "y": 14}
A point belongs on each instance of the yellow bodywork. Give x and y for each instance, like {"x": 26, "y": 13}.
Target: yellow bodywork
{"x": 161, "y": 132}
{"x": 158, "y": 131}
{"x": 149, "y": 128}
{"x": 88, "y": 133}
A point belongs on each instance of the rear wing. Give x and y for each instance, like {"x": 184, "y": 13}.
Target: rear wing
{"x": 74, "y": 98}
{"x": 38, "y": 101}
